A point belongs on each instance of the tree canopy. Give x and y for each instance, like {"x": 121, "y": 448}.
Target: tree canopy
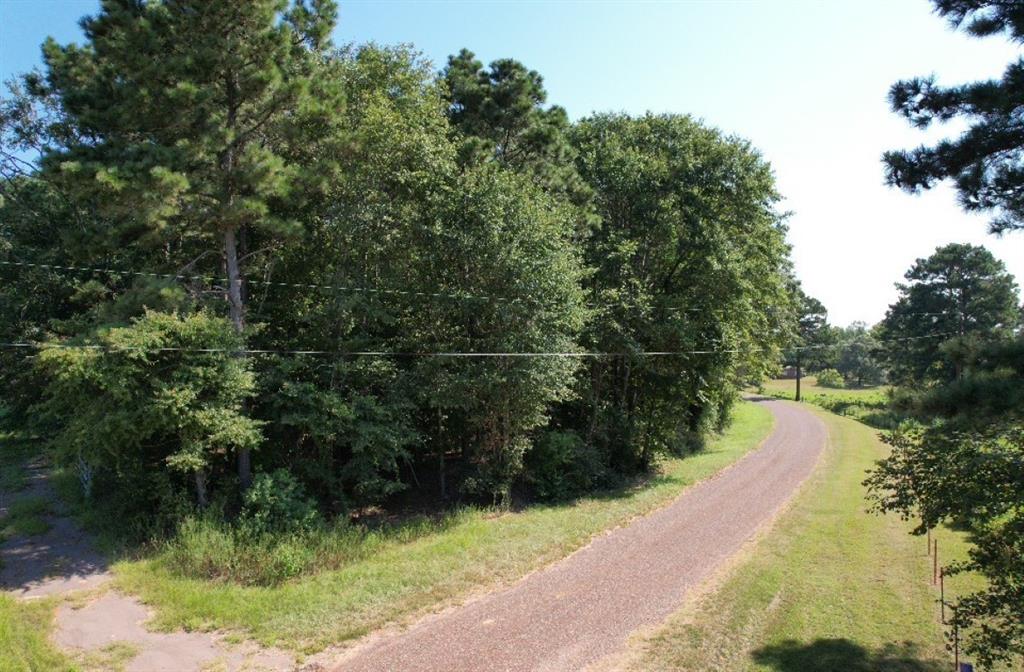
{"x": 367, "y": 279}
{"x": 957, "y": 343}
{"x": 985, "y": 161}
{"x": 957, "y": 297}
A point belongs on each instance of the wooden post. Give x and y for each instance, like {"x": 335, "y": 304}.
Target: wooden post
{"x": 935, "y": 564}
{"x": 942, "y": 594}
{"x": 956, "y": 643}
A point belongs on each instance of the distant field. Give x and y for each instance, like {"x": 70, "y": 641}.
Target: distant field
{"x": 831, "y": 587}
{"x": 479, "y": 549}
{"x": 870, "y": 405}
{"x": 809, "y": 386}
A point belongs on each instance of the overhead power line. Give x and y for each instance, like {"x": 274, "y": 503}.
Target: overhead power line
{"x": 267, "y": 283}
{"x": 210, "y": 279}
{"x": 442, "y": 354}
{"x": 340, "y": 288}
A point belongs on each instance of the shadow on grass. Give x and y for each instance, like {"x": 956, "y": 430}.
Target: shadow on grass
{"x": 831, "y": 655}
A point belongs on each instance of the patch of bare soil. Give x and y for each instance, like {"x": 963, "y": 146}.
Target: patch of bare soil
{"x": 108, "y": 632}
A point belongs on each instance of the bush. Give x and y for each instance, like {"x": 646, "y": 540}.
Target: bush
{"x": 562, "y": 466}
{"x": 830, "y": 378}
{"x": 277, "y": 502}
{"x": 209, "y": 548}
{"x": 163, "y": 394}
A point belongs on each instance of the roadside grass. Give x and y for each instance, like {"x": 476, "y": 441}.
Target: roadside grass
{"x": 401, "y": 578}
{"x": 831, "y": 586}
{"x": 24, "y": 645}
{"x": 111, "y": 658}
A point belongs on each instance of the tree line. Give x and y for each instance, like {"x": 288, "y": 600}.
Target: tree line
{"x": 236, "y": 253}
{"x": 962, "y": 462}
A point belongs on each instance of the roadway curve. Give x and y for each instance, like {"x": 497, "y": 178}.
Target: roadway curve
{"x": 582, "y": 609}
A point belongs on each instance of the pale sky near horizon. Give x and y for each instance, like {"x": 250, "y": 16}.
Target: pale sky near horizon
{"x": 804, "y": 81}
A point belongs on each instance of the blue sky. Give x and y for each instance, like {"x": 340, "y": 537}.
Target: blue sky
{"x": 805, "y": 81}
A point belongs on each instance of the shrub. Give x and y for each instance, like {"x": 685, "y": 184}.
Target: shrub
{"x": 561, "y": 466}
{"x": 277, "y": 502}
{"x": 830, "y": 378}
{"x": 165, "y": 393}
{"x": 209, "y": 548}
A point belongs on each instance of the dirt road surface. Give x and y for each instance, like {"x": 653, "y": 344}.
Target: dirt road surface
{"x": 582, "y": 609}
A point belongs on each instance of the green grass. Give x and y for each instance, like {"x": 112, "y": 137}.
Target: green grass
{"x": 870, "y": 405}
{"x": 24, "y": 645}
{"x": 786, "y": 387}
{"x": 831, "y": 587}
{"x": 25, "y": 517}
{"x": 405, "y": 577}
{"x": 111, "y": 658}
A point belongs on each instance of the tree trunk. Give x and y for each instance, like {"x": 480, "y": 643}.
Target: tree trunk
{"x": 798, "y": 380}
{"x": 237, "y": 311}
{"x": 596, "y": 377}
{"x": 440, "y": 454}
{"x": 201, "y": 498}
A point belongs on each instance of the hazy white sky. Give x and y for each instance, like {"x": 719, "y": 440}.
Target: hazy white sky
{"x": 805, "y": 81}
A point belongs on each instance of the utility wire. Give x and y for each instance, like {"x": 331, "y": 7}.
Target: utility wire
{"x": 292, "y": 285}
{"x": 267, "y": 283}
{"x": 449, "y": 354}
{"x": 341, "y": 288}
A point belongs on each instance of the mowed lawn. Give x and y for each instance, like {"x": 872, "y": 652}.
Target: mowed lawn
{"x": 830, "y": 587}
{"x": 786, "y": 387}
{"x": 480, "y": 550}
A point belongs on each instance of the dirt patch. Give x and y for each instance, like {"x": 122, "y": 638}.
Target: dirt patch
{"x": 60, "y": 560}
{"x": 116, "y": 622}
{"x": 103, "y": 630}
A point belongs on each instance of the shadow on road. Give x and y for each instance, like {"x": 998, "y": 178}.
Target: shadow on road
{"x": 829, "y": 655}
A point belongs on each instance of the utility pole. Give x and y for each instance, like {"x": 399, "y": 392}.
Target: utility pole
{"x": 798, "y": 376}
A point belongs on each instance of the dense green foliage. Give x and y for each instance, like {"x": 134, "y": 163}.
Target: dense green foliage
{"x": 829, "y": 378}
{"x": 689, "y": 256}
{"x": 159, "y": 408}
{"x": 856, "y": 356}
{"x": 962, "y": 465}
{"x": 985, "y": 161}
{"x": 954, "y": 300}
{"x": 375, "y": 284}
{"x": 965, "y": 465}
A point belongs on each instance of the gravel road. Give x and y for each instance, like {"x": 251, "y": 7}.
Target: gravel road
{"x": 582, "y": 609}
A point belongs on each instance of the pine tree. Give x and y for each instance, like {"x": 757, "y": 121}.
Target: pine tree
{"x": 202, "y": 126}
{"x": 985, "y": 161}
{"x": 959, "y": 295}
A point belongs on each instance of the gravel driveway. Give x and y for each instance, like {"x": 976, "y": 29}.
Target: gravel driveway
{"x": 582, "y": 609}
